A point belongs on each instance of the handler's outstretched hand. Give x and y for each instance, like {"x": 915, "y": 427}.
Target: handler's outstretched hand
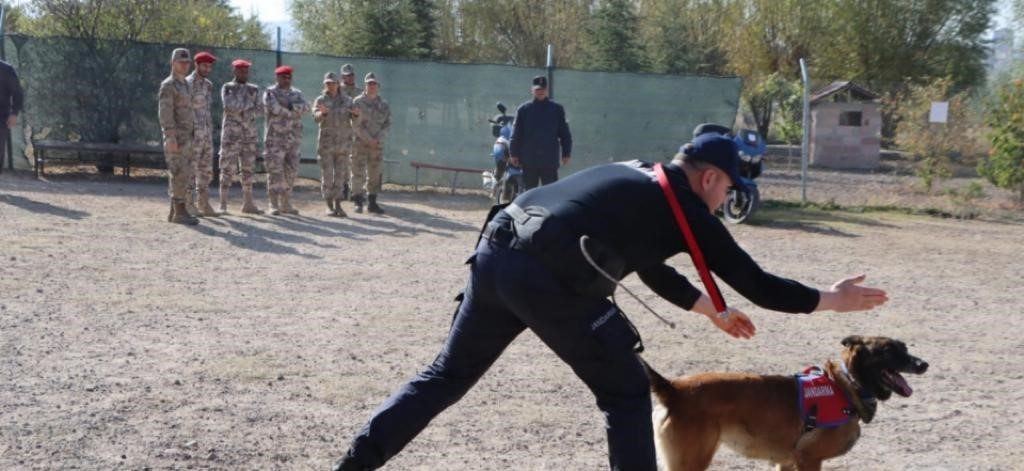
{"x": 847, "y": 295}
{"x": 737, "y": 324}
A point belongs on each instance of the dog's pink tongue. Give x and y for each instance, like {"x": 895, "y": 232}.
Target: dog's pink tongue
{"x": 902, "y": 388}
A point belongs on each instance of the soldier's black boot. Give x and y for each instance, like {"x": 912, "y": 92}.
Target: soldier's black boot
{"x": 358, "y": 201}
{"x": 344, "y": 192}
{"x": 373, "y": 207}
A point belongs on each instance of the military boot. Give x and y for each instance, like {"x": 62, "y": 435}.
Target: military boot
{"x": 274, "y": 209}
{"x": 285, "y": 204}
{"x": 248, "y": 205}
{"x": 373, "y": 207}
{"x": 222, "y": 197}
{"x": 190, "y": 205}
{"x": 180, "y": 215}
{"x": 344, "y": 192}
{"x": 338, "y": 211}
{"x": 358, "y": 201}
{"x": 330, "y": 206}
{"x": 205, "y": 209}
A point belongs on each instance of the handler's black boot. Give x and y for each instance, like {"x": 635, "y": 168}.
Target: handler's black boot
{"x": 349, "y": 464}
{"x": 373, "y": 207}
{"x": 358, "y": 201}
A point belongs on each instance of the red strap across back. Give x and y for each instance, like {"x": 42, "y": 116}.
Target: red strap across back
{"x": 695, "y": 254}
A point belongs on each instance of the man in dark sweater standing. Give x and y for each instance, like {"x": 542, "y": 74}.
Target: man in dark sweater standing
{"x": 11, "y": 101}
{"x": 539, "y": 137}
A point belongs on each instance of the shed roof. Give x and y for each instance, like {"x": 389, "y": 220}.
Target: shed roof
{"x": 856, "y": 91}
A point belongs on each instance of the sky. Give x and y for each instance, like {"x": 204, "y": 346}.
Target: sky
{"x": 268, "y": 11}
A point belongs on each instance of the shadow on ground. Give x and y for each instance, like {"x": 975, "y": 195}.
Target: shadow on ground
{"x": 41, "y": 207}
{"x": 793, "y": 216}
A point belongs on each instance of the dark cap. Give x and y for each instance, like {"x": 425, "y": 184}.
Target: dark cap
{"x": 180, "y": 55}
{"x": 540, "y": 81}
{"x": 717, "y": 150}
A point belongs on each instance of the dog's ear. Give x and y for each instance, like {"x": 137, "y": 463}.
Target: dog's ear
{"x": 852, "y": 340}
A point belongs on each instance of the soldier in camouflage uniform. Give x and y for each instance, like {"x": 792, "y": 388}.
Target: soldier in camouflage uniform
{"x": 333, "y": 112}
{"x": 202, "y": 142}
{"x": 176, "y": 121}
{"x": 371, "y": 128}
{"x": 282, "y": 145}
{"x": 348, "y": 87}
{"x": 238, "y": 135}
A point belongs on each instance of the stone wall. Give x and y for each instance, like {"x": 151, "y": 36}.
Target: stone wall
{"x": 835, "y": 146}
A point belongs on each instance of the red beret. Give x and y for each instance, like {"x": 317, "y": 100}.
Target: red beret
{"x": 240, "y": 63}
{"x": 283, "y": 70}
{"x": 204, "y": 57}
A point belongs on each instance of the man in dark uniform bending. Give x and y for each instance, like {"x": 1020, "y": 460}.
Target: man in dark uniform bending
{"x": 541, "y": 141}
{"x": 528, "y": 271}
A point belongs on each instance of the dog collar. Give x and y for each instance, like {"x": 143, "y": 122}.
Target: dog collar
{"x": 862, "y": 394}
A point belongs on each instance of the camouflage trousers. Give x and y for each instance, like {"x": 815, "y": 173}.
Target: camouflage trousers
{"x": 366, "y": 161}
{"x": 202, "y": 162}
{"x": 334, "y": 171}
{"x": 179, "y": 170}
{"x": 282, "y": 164}
{"x": 237, "y": 151}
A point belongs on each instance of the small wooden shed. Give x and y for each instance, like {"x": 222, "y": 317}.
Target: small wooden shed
{"x": 846, "y": 127}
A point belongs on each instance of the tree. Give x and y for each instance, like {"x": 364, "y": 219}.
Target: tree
{"x": 506, "y": 31}
{"x": 108, "y": 77}
{"x": 1004, "y": 166}
{"x": 367, "y": 28}
{"x": 613, "y": 42}
{"x": 13, "y": 17}
{"x": 201, "y": 22}
{"x": 425, "y": 13}
{"x": 888, "y": 44}
{"x": 936, "y": 145}
{"x": 684, "y": 36}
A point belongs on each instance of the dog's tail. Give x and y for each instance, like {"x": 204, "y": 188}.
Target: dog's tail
{"x": 660, "y": 386}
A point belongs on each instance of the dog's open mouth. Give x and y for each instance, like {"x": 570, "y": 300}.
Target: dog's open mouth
{"x": 894, "y": 381}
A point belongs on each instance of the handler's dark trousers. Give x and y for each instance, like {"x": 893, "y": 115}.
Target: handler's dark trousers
{"x": 536, "y": 176}
{"x": 508, "y": 291}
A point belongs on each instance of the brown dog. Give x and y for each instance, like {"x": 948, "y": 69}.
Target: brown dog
{"x": 766, "y": 417}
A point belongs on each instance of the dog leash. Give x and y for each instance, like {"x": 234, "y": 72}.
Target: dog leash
{"x": 695, "y": 254}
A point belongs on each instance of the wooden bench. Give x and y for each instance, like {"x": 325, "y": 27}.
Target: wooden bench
{"x": 111, "y": 154}
{"x": 455, "y": 172}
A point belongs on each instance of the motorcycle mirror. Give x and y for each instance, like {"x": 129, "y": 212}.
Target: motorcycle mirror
{"x": 501, "y": 107}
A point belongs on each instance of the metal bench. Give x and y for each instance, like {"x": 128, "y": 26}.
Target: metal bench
{"x": 110, "y": 154}
{"x": 455, "y": 175}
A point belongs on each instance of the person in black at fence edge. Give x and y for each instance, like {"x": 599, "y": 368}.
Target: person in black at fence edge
{"x": 11, "y": 102}
{"x": 528, "y": 271}
{"x": 540, "y": 135}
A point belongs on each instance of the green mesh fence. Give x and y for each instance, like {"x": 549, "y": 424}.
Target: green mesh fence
{"x": 105, "y": 91}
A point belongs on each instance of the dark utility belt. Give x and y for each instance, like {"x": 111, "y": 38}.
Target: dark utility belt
{"x": 557, "y": 247}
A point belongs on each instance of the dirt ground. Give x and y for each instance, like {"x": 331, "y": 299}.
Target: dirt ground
{"x": 258, "y": 342}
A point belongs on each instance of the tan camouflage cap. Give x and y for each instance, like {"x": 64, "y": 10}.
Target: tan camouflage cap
{"x": 370, "y": 77}
{"x": 181, "y": 55}
{"x": 330, "y": 77}
{"x": 347, "y": 69}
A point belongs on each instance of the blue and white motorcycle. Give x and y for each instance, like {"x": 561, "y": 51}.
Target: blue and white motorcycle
{"x": 740, "y": 204}
{"x": 507, "y": 180}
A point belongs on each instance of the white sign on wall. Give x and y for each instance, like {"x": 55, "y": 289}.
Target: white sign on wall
{"x": 939, "y": 112}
